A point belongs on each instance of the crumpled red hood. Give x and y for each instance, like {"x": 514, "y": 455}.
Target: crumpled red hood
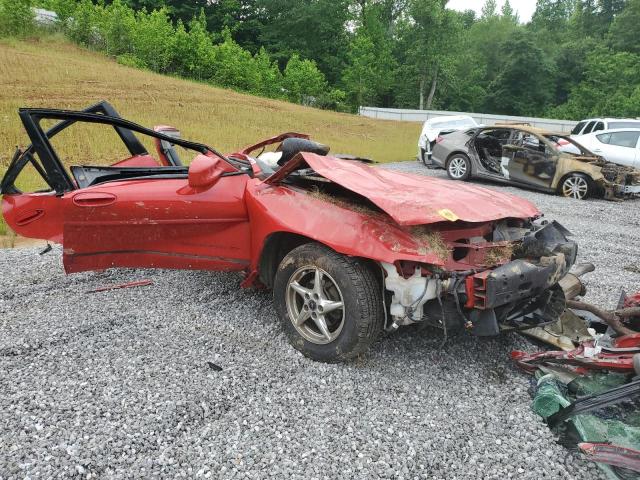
{"x": 416, "y": 199}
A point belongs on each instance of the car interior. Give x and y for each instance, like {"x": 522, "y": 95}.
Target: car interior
{"x": 489, "y": 145}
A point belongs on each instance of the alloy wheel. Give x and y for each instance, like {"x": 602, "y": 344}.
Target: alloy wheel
{"x": 457, "y": 167}
{"x": 315, "y": 305}
{"x": 575, "y": 187}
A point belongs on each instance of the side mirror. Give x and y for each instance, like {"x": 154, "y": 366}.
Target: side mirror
{"x": 204, "y": 172}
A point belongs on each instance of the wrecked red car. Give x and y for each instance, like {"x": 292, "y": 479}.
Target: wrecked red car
{"x": 347, "y": 248}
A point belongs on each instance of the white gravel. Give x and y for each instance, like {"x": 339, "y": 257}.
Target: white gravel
{"x": 118, "y": 384}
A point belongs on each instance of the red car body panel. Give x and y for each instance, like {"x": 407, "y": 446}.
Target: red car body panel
{"x": 275, "y": 208}
{"x": 412, "y": 199}
{"x": 160, "y": 223}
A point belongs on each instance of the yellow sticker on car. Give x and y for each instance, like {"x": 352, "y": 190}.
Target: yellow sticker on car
{"x": 448, "y": 215}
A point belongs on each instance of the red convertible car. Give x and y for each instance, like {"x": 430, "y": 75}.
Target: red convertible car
{"x": 348, "y": 249}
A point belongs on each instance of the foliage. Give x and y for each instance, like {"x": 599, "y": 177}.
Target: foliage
{"x": 524, "y": 81}
{"x": 302, "y": 80}
{"x": 610, "y": 87}
{"x": 16, "y": 18}
{"x": 341, "y": 54}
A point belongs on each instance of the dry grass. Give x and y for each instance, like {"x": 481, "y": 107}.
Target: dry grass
{"x": 54, "y": 73}
{"x": 342, "y": 202}
{"x": 431, "y": 240}
{"x": 499, "y": 255}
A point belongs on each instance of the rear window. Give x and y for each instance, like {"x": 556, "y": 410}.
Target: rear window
{"x": 578, "y": 128}
{"x": 624, "y": 139}
{"x": 625, "y": 124}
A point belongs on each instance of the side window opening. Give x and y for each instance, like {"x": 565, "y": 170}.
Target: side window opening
{"x": 530, "y": 142}
{"x": 599, "y": 126}
{"x": 604, "y": 137}
{"x": 84, "y": 143}
{"x": 32, "y": 178}
{"x": 589, "y": 128}
{"x": 578, "y": 128}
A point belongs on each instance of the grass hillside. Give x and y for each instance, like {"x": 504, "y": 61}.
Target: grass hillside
{"x": 53, "y": 73}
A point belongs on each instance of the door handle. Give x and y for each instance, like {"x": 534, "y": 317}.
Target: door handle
{"x": 27, "y": 217}
{"x": 93, "y": 199}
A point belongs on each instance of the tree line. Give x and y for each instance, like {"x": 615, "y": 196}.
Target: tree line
{"x": 574, "y": 59}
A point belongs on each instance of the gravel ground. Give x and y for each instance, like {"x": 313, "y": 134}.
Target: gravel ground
{"x": 119, "y": 384}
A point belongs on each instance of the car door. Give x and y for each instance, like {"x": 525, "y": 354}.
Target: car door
{"x": 531, "y": 161}
{"x": 620, "y": 146}
{"x": 142, "y": 216}
{"x": 158, "y": 223}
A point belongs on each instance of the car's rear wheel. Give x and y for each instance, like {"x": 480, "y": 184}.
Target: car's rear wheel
{"x": 330, "y": 305}
{"x": 576, "y": 185}
{"x": 459, "y": 167}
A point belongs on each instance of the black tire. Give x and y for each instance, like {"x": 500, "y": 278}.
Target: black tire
{"x": 361, "y": 316}
{"x": 576, "y": 185}
{"x": 458, "y": 167}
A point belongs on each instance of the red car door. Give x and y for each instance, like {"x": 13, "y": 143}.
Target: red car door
{"x": 157, "y": 223}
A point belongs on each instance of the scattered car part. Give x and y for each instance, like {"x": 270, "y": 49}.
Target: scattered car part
{"x": 139, "y": 283}
{"x": 592, "y": 402}
{"x": 613, "y": 455}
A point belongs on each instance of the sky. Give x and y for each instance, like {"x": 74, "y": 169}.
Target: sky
{"x": 525, "y": 8}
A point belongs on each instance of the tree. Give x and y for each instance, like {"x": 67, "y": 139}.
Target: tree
{"x": 370, "y": 69}
{"x": 153, "y": 39}
{"x": 360, "y": 75}
{"x": 313, "y": 29}
{"x": 624, "y": 32}
{"x": 428, "y": 39}
{"x": 610, "y": 87}
{"x": 524, "y": 85}
{"x": 302, "y": 80}
{"x": 490, "y": 9}
{"x": 16, "y": 17}
{"x": 509, "y": 12}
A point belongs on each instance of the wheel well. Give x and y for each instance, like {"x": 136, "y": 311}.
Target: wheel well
{"x": 277, "y": 245}
{"x": 458, "y": 152}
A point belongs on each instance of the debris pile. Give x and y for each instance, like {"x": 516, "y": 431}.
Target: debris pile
{"x": 588, "y": 388}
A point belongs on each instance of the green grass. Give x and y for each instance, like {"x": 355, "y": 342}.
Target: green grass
{"x": 50, "y": 72}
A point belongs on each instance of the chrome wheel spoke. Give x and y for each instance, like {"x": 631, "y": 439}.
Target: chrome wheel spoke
{"x": 302, "y": 317}
{"x": 300, "y": 289}
{"x": 329, "y": 306}
{"x": 317, "y": 283}
{"x": 322, "y": 326}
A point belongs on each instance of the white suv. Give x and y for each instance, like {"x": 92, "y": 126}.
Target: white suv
{"x": 595, "y": 124}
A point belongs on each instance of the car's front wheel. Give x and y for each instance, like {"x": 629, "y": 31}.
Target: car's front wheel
{"x": 576, "y": 185}
{"x": 459, "y": 167}
{"x": 330, "y": 305}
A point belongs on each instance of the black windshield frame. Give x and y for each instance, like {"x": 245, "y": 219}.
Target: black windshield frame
{"x": 101, "y": 113}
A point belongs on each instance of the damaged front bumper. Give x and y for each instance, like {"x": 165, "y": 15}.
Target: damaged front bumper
{"x": 620, "y": 182}
{"x": 522, "y": 293}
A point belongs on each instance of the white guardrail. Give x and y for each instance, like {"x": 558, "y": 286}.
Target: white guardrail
{"x": 482, "y": 118}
